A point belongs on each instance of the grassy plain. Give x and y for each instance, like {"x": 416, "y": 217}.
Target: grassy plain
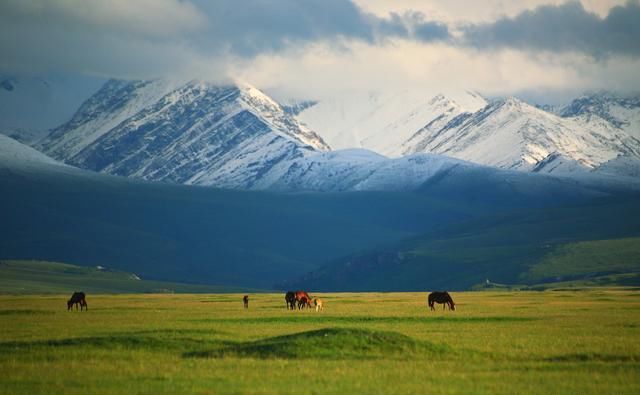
{"x": 569, "y": 342}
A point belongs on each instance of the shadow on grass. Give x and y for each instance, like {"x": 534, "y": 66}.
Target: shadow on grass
{"x": 593, "y": 358}
{"x": 303, "y": 317}
{"x": 25, "y": 312}
{"x": 330, "y": 343}
{"x": 153, "y": 340}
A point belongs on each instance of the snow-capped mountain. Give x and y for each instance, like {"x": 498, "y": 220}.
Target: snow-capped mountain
{"x": 382, "y": 122}
{"x": 355, "y": 170}
{"x": 622, "y": 112}
{"x": 364, "y": 170}
{"x": 191, "y": 133}
{"x": 508, "y": 133}
{"x": 512, "y": 134}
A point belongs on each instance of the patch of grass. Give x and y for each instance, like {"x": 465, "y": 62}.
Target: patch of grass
{"x": 317, "y": 319}
{"x": 24, "y": 311}
{"x": 332, "y": 343}
{"x": 581, "y": 357}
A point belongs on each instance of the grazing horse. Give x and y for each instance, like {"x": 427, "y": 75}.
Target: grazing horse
{"x": 290, "y": 299}
{"x": 442, "y": 298}
{"x": 77, "y": 298}
{"x": 303, "y": 299}
{"x": 319, "y": 305}
{"x": 245, "y": 300}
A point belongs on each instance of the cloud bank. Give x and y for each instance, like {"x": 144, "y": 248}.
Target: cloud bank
{"x": 314, "y": 45}
{"x": 563, "y": 28}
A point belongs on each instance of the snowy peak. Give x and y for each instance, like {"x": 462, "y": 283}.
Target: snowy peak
{"x": 621, "y": 112}
{"x": 272, "y": 112}
{"x": 382, "y": 122}
{"x": 194, "y": 133}
{"x": 512, "y": 134}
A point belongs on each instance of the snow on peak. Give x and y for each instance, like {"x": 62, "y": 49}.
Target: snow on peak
{"x": 383, "y": 121}
{"x": 195, "y": 132}
{"x": 513, "y": 134}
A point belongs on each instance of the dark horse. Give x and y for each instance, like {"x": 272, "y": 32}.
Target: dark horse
{"x": 290, "y": 299}
{"x": 441, "y": 297}
{"x": 78, "y": 298}
{"x": 245, "y": 300}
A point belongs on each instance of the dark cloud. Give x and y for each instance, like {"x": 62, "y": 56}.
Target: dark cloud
{"x": 562, "y": 28}
{"x": 140, "y": 37}
{"x": 432, "y": 31}
{"x": 256, "y": 26}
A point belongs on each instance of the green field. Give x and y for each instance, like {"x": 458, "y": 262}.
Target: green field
{"x": 569, "y": 342}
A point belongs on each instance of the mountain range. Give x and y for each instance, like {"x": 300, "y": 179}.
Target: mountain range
{"x": 505, "y": 133}
{"x": 235, "y": 136}
{"x": 374, "y": 191}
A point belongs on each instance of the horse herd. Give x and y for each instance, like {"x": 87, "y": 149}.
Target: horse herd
{"x": 293, "y": 299}
{"x": 301, "y": 299}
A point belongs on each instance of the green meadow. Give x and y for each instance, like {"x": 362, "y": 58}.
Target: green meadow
{"x": 550, "y": 342}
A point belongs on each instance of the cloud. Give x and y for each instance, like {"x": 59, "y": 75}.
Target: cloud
{"x": 260, "y": 26}
{"x": 154, "y": 37}
{"x": 312, "y": 47}
{"x": 563, "y": 28}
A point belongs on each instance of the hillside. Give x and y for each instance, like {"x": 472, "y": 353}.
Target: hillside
{"x": 536, "y": 246}
{"x": 197, "y": 234}
{"x": 239, "y": 238}
{"x": 36, "y": 277}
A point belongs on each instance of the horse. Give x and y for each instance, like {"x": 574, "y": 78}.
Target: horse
{"x": 303, "y": 299}
{"x": 442, "y": 298}
{"x": 319, "y": 305}
{"x": 245, "y": 300}
{"x": 77, "y": 298}
{"x": 290, "y": 300}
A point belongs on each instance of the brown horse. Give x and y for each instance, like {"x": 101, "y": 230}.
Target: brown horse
{"x": 78, "y": 298}
{"x": 290, "y": 300}
{"x": 245, "y": 301}
{"x": 303, "y": 299}
{"x": 442, "y": 298}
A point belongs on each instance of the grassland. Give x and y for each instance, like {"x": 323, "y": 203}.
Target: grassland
{"x": 570, "y": 342}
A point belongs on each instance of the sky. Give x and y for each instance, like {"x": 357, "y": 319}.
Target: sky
{"x": 545, "y": 50}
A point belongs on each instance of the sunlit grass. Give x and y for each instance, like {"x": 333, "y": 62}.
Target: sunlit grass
{"x": 529, "y": 342}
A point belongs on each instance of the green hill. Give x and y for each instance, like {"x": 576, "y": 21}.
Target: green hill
{"x": 200, "y": 235}
{"x": 453, "y": 232}
{"x": 532, "y": 247}
{"x": 36, "y": 277}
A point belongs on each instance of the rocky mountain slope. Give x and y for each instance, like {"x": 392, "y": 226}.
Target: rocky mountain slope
{"x": 190, "y": 133}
